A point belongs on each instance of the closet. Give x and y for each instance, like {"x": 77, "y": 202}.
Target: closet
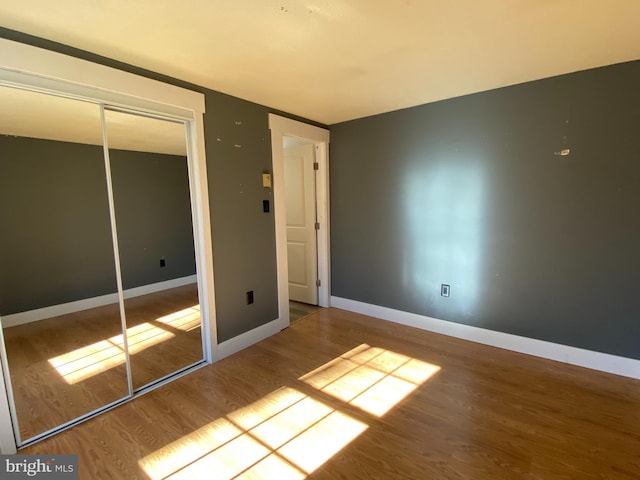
{"x": 101, "y": 268}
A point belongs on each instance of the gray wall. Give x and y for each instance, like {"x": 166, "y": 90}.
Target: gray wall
{"x": 238, "y": 143}
{"x": 56, "y": 244}
{"x": 470, "y": 192}
{"x": 153, "y": 215}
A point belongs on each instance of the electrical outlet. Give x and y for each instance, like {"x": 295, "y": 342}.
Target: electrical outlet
{"x": 163, "y": 263}
{"x": 445, "y": 290}
{"x": 249, "y": 297}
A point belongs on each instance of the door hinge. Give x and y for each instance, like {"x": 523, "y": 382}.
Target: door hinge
{"x": 318, "y": 283}
{"x": 317, "y": 226}
{"x": 316, "y": 166}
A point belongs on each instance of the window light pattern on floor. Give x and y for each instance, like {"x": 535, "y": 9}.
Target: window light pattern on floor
{"x": 285, "y": 435}
{"x": 371, "y": 378}
{"x": 85, "y": 362}
{"x": 288, "y": 434}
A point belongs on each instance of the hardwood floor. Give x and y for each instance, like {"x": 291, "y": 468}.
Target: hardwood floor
{"x": 298, "y": 310}
{"x": 70, "y": 365}
{"x": 342, "y": 395}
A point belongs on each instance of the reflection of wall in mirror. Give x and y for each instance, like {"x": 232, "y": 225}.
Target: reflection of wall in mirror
{"x": 153, "y": 213}
{"x": 56, "y": 242}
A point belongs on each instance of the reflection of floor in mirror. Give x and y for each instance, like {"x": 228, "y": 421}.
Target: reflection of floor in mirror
{"x": 70, "y": 365}
{"x": 297, "y": 310}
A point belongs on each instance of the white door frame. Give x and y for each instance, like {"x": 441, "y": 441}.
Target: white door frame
{"x": 285, "y": 127}
{"x": 50, "y": 72}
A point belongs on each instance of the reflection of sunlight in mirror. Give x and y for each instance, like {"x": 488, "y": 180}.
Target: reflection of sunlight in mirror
{"x": 98, "y": 357}
{"x": 286, "y": 434}
{"x": 370, "y": 378}
{"x": 142, "y": 336}
{"x": 88, "y": 361}
{"x": 186, "y": 319}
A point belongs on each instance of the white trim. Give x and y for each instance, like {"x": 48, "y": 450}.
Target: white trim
{"x": 281, "y": 127}
{"x": 56, "y": 72}
{"x": 199, "y": 190}
{"x": 322, "y": 199}
{"x": 116, "y": 251}
{"x": 604, "y": 362}
{"x": 244, "y": 340}
{"x": 7, "y": 439}
{"x": 294, "y": 128}
{"x": 94, "y": 302}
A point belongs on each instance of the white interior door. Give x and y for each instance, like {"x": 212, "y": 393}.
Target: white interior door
{"x": 300, "y": 198}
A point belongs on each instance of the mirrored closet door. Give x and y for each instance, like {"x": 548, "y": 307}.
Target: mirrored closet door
{"x": 150, "y": 178}
{"x": 98, "y": 282}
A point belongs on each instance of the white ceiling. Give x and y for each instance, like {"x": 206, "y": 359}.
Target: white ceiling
{"x": 336, "y": 60}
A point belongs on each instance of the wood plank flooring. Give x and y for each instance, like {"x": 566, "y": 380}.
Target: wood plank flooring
{"x": 67, "y": 366}
{"x": 342, "y": 395}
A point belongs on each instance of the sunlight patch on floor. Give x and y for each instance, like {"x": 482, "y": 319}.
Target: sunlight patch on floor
{"x": 284, "y": 435}
{"x": 288, "y": 434}
{"x": 371, "y": 378}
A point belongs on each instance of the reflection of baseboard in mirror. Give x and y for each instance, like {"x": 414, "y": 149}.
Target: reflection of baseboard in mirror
{"x": 79, "y": 359}
{"x": 87, "y": 303}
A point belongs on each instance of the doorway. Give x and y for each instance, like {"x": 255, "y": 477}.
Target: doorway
{"x": 300, "y": 200}
{"x": 300, "y": 171}
{"x": 301, "y": 215}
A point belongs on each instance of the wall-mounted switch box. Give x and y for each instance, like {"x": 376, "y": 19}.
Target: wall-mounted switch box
{"x": 249, "y": 297}
{"x": 265, "y": 206}
{"x": 445, "y": 290}
{"x": 162, "y": 262}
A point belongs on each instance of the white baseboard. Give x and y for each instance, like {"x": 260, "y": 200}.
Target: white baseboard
{"x": 244, "y": 340}
{"x": 604, "y": 362}
{"x": 94, "y": 302}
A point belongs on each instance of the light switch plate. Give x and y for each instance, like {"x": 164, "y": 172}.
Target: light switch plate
{"x": 266, "y": 180}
